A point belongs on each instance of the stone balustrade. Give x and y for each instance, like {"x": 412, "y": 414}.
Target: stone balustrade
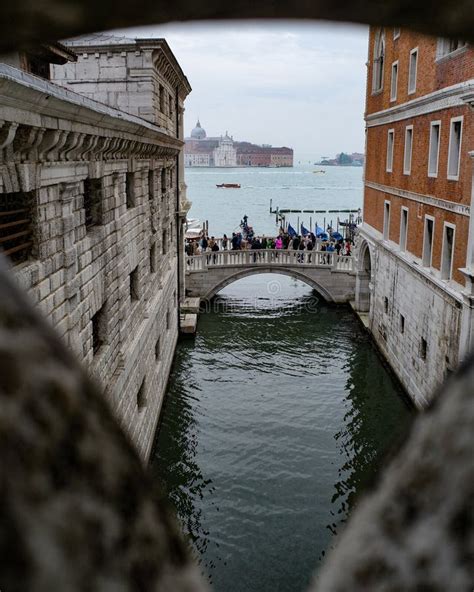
{"x": 273, "y": 257}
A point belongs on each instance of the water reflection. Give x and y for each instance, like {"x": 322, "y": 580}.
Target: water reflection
{"x": 277, "y": 416}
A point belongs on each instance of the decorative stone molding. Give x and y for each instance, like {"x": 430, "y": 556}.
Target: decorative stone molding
{"x": 48, "y": 123}
{"x": 444, "y": 204}
{"x": 453, "y": 96}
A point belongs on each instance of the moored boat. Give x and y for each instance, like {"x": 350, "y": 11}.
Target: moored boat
{"x": 229, "y": 185}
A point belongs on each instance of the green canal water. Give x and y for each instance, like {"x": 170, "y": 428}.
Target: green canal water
{"x": 277, "y": 417}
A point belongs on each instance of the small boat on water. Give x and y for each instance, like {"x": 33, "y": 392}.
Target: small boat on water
{"x": 319, "y": 171}
{"x": 229, "y": 185}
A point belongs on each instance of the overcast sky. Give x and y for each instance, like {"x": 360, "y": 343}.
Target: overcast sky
{"x": 288, "y": 84}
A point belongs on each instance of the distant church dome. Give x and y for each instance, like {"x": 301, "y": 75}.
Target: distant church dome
{"x": 198, "y": 132}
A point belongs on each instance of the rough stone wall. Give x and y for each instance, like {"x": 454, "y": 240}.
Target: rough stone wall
{"x": 103, "y": 267}
{"x": 81, "y": 270}
{"x": 430, "y": 312}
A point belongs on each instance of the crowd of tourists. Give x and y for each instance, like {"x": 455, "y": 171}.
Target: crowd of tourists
{"x": 239, "y": 242}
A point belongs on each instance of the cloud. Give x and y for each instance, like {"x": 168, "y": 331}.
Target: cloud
{"x": 284, "y": 83}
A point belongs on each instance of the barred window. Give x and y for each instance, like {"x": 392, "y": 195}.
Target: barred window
{"x": 16, "y": 225}
{"x": 93, "y": 202}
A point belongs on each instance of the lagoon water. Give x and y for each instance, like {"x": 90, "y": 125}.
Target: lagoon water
{"x": 279, "y": 414}
{"x": 289, "y": 188}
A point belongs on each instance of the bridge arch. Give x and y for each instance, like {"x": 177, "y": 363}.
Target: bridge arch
{"x": 363, "y": 295}
{"x": 242, "y": 273}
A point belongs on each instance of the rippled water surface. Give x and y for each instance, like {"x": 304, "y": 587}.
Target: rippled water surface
{"x": 277, "y": 416}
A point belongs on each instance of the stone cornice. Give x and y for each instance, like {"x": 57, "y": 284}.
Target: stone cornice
{"x": 41, "y": 121}
{"x": 430, "y": 200}
{"x": 445, "y": 98}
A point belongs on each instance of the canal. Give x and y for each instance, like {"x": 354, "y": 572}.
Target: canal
{"x": 277, "y": 417}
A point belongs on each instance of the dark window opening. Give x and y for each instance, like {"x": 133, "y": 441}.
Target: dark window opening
{"x": 151, "y": 184}
{"x": 16, "y": 226}
{"x": 162, "y": 99}
{"x": 38, "y": 66}
{"x": 167, "y": 320}
{"x": 134, "y": 292}
{"x": 141, "y": 396}
{"x": 385, "y": 304}
{"x": 164, "y": 243}
{"x": 153, "y": 258}
{"x": 423, "y": 349}
{"x": 157, "y": 349}
{"x": 402, "y": 324}
{"x": 163, "y": 181}
{"x": 93, "y": 202}
{"x": 99, "y": 329}
{"x": 130, "y": 189}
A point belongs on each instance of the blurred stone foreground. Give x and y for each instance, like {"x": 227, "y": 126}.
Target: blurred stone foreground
{"x": 78, "y": 511}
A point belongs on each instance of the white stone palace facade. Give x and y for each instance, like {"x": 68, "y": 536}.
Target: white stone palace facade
{"x": 92, "y": 203}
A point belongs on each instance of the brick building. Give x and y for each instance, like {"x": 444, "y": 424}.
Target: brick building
{"x": 92, "y": 203}
{"x": 415, "y": 255}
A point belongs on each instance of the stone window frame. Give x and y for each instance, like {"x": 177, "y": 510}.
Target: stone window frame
{"x": 453, "y": 121}
{"x": 390, "y": 150}
{"x": 386, "y": 220}
{"x": 443, "y": 49}
{"x": 447, "y": 276}
{"x": 413, "y": 77}
{"x": 394, "y": 86}
{"x": 378, "y": 62}
{"x": 407, "y": 169}
{"x": 424, "y": 259}
{"x": 437, "y": 123}
{"x": 404, "y": 228}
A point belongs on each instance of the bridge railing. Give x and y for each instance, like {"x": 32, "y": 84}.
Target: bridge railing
{"x": 272, "y": 257}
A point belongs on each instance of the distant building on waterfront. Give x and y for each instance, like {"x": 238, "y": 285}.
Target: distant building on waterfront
{"x": 344, "y": 159}
{"x": 223, "y": 151}
{"x": 416, "y": 255}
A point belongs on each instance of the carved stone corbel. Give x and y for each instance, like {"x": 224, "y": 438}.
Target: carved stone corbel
{"x": 7, "y": 133}
{"x": 54, "y": 154}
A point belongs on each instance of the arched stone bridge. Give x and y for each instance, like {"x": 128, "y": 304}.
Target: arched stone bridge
{"x": 331, "y": 275}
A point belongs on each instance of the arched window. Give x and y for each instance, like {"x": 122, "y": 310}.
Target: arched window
{"x": 379, "y": 57}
